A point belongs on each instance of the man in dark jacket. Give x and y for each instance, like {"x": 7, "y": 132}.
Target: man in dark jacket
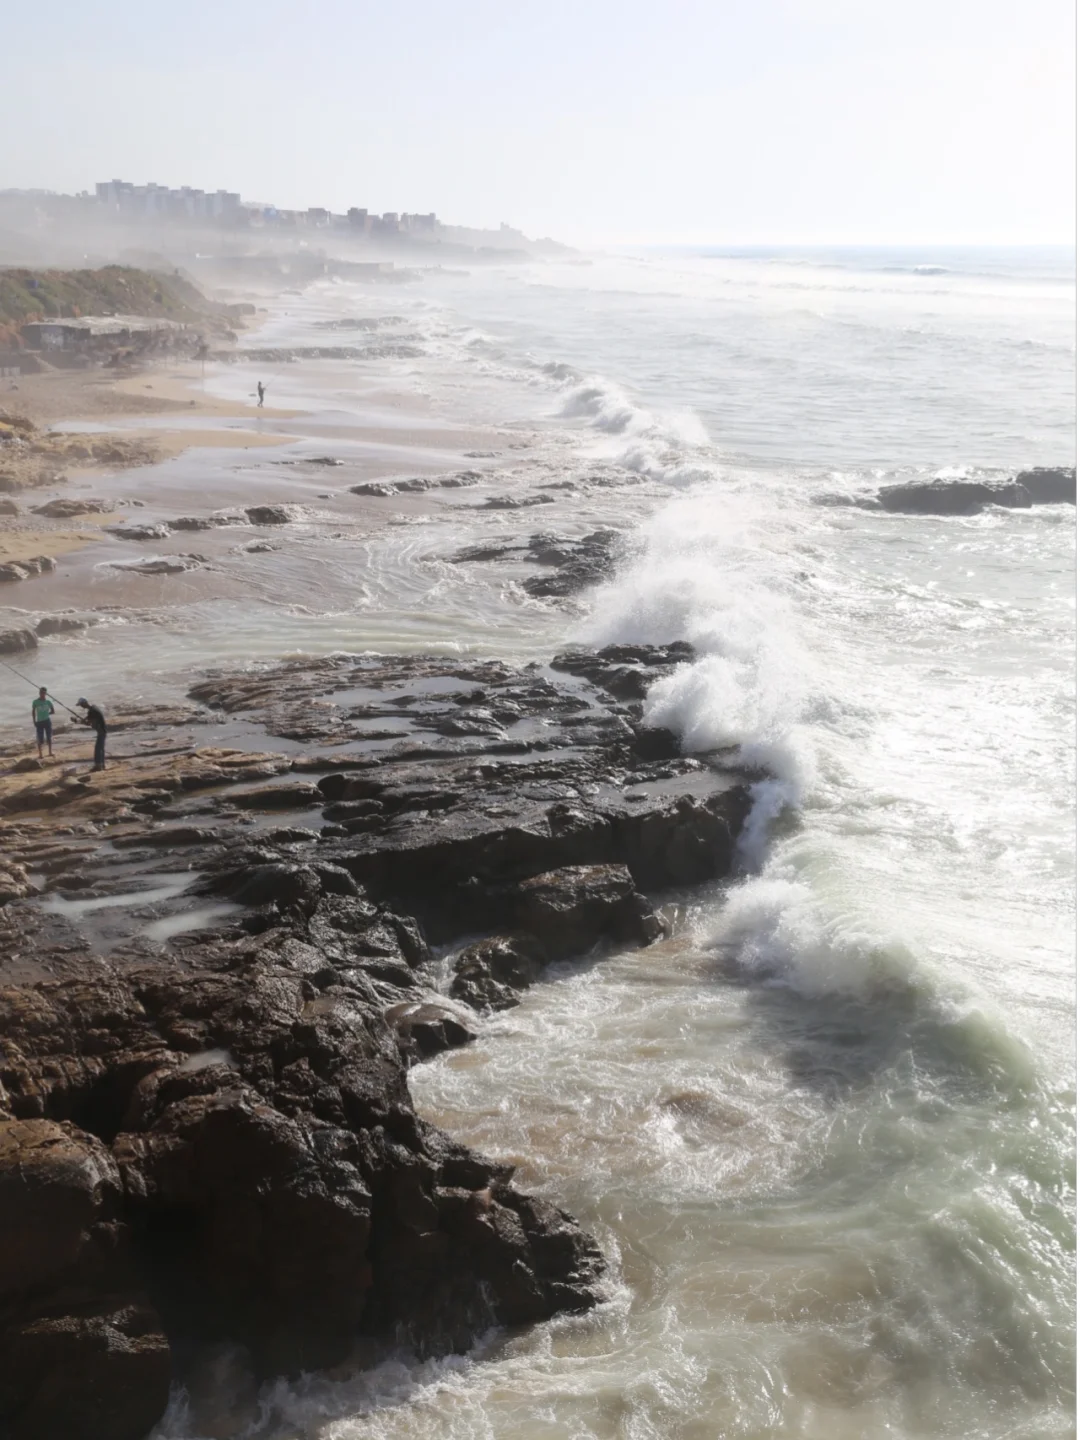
{"x": 96, "y": 720}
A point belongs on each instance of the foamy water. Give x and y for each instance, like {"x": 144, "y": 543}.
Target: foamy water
{"x": 824, "y": 1132}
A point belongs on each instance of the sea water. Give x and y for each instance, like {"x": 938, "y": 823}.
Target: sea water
{"x": 824, "y": 1132}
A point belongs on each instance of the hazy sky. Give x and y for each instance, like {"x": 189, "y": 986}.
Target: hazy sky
{"x": 729, "y": 121}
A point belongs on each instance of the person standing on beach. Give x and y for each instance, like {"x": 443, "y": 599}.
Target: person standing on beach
{"x": 42, "y": 709}
{"x": 260, "y": 390}
{"x": 96, "y": 720}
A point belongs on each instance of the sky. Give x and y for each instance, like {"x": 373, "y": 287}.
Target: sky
{"x": 679, "y": 121}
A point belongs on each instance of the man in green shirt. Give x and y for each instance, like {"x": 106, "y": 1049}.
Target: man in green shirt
{"x": 42, "y": 710}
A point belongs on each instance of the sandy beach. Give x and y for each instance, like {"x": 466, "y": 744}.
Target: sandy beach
{"x": 160, "y": 493}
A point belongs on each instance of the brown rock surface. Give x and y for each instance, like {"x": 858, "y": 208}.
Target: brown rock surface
{"x": 205, "y": 1080}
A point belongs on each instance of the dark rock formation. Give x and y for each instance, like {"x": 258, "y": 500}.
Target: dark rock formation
{"x": 82, "y": 1350}
{"x": 210, "y": 1138}
{"x": 572, "y": 565}
{"x": 1041, "y": 486}
{"x": 952, "y": 497}
{"x": 268, "y": 514}
{"x": 139, "y": 532}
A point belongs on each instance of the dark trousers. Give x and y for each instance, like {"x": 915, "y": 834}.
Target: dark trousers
{"x": 99, "y": 751}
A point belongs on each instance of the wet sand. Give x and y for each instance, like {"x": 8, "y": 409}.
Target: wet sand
{"x": 216, "y": 456}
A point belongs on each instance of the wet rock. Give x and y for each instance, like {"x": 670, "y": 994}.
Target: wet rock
{"x": 67, "y": 507}
{"x": 570, "y": 910}
{"x": 288, "y": 795}
{"x": 574, "y": 564}
{"x": 23, "y": 569}
{"x": 374, "y": 488}
{"x": 577, "y": 564}
{"x": 268, "y": 514}
{"x": 206, "y": 522}
{"x": 952, "y": 497}
{"x": 261, "y": 1100}
{"x": 279, "y": 884}
{"x": 158, "y": 565}
{"x": 60, "y": 625}
{"x": 139, "y": 532}
{"x": 624, "y": 671}
{"x": 167, "y": 837}
{"x": 17, "y": 642}
{"x": 490, "y": 974}
{"x": 8, "y": 507}
{"x": 515, "y": 502}
{"x": 1048, "y": 485}
{"x": 427, "y": 1028}
{"x": 82, "y": 1352}
{"x": 277, "y": 1189}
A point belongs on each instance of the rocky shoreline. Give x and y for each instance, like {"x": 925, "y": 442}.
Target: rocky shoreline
{"x": 220, "y": 959}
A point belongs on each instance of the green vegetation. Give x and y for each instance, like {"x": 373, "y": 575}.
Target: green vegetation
{"x": 113, "y": 290}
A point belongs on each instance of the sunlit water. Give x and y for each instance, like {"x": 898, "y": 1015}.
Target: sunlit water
{"x": 825, "y": 1132}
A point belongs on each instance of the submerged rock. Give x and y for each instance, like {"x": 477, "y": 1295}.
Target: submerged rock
{"x": 268, "y": 514}
{"x": 952, "y": 497}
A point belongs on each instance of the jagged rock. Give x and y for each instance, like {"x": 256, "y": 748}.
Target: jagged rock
{"x": 570, "y": 910}
{"x": 489, "y": 974}
{"x": 1048, "y": 485}
{"x": 576, "y": 564}
{"x": 82, "y": 1352}
{"x": 952, "y": 497}
{"x": 13, "y": 571}
{"x": 278, "y": 1191}
{"x": 282, "y": 885}
{"x": 624, "y": 671}
{"x": 16, "y": 642}
{"x": 268, "y": 514}
{"x": 263, "y": 1099}
{"x": 100, "y": 1372}
{"x": 427, "y": 1028}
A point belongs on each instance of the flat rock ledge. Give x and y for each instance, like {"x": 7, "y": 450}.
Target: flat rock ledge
{"x": 206, "y": 1130}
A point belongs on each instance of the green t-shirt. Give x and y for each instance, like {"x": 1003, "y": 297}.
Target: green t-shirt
{"x": 42, "y": 710}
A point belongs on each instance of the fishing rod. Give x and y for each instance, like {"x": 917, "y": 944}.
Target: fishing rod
{"x": 38, "y": 687}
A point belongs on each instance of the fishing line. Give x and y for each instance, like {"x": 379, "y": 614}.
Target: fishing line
{"x": 38, "y": 687}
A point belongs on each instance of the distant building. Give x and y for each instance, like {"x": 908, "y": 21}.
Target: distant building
{"x": 153, "y": 201}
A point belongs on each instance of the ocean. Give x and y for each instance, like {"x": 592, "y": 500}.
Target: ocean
{"x": 825, "y": 1132}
